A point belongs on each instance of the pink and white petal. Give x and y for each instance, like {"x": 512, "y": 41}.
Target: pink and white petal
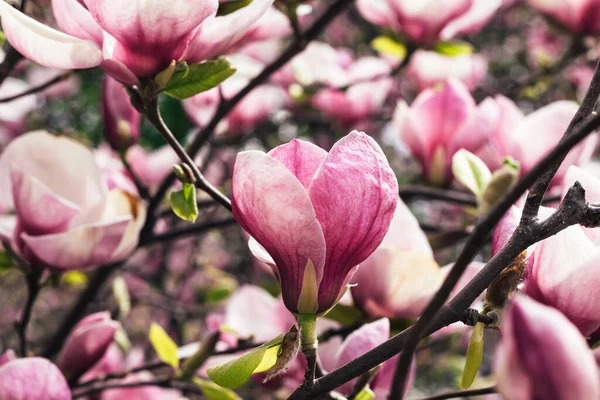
{"x": 591, "y": 184}
{"x": 217, "y": 35}
{"x": 505, "y": 228}
{"x": 354, "y": 194}
{"x": 74, "y": 19}
{"x": 377, "y": 12}
{"x": 40, "y": 211}
{"x": 8, "y": 224}
{"x": 33, "y": 378}
{"x": 123, "y": 204}
{"x": 45, "y": 45}
{"x": 271, "y": 205}
{"x": 473, "y": 20}
{"x": 409, "y": 132}
{"x": 510, "y": 116}
{"x": 405, "y": 232}
{"x": 301, "y": 158}
{"x": 80, "y": 248}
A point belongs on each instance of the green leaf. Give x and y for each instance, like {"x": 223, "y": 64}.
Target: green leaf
{"x": 453, "y": 48}
{"x": 345, "y": 315}
{"x": 388, "y": 46}
{"x": 474, "y": 356}
{"x": 471, "y": 171}
{"x": 184, "y": 203}
{"x": 212, "y": 391}
{"x": 6, "y": 262}
{"x": 121, "y": 294}
{"x": 198, "y": 78}
{"x": 365, "y": 394}
{"x": 234, "y": 373}
{"x": 164, "y": 346}
{"x": 231, "y": 6}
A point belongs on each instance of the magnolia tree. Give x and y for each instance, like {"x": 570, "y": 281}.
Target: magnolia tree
{"x": 271, "y": 199}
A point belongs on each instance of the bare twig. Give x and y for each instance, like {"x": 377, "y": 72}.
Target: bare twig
{"x": 33, "y": 289}
{"x": 462, "y": 393}
{"x": 38, "y": 88}
{"x": 409, "y": 192}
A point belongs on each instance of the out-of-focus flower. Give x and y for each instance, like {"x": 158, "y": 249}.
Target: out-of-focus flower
{"x": 399, "y": 278}
{"x": 429, "y": 21}
{"x": 13, "y": 113}
{"x": 151, "y": 167}
{"x": 121, "y": 119}
{"x": 272, "y": 25}
{"x": 543, "y": 356}
{"x": 544, "y": 44}
{"x": 130, "y": 42}
{"x": 113, "y": 170}
{"x": 142, "y": 392}
{"x": 65, "y": 216}
{"x": 38, "y": 75}
{"x": 580, "y": 76}
{"x": 439, "y": 123}
{"x": 32, "y": 379}
{"x": 429, "y": 68}
{"x": 317, "y": 214}
{"x": 580, "y": 16}
{"x": 254, "y": 109}
{"x": 86, "y": 344}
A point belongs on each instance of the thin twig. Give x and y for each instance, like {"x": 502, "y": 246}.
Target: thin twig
{"x": 141, "y": 188}
{"x": 188, "y": 230}
{"x": 37, "y": 89}
{"x": 461, "y": 393}
{"x": 33, "y": 289}
{"x": 409, "y": 192}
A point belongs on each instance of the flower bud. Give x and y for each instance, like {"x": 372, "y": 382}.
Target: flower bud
{"x": 121, "y": 119}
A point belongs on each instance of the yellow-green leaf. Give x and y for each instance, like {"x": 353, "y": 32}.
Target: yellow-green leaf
{"x": 388, "y": 46}
{"x": 184, "y": 202}
{"x": 365, "y": 394}
{"x": 471, "y": 171}
{"x": 74, "y": 278}
{"x": 231, "y": 6}
{"x": 121, "y": 294}
{"x": 198, "y": 78}
{"x": 234, "y": 373}
{"x": 164, "y": 346}
{"x": 474, "y": 356}
{"x": 212, "y": 391}
{"x": 453, "y": 48}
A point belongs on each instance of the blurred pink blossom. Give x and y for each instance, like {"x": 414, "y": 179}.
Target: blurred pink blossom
{"x": 32, "y": 379}
{"x": 579, "y": 16}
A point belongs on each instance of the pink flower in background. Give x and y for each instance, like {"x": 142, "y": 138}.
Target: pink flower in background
{"x": 543, "y": 356}
{"x": 273, "y": 24}
{"x": 440, "y": 122}
{"x": 113, "y": 171}
{"x": 399, "y": 278}
{"x": 13, "y": 113}
{"x": 121, "y": 119}
{"x": 152, "y": 167}
{"x": 429, "y": 68}
{"x": 429, "y": 21}
{"x": 65, "y": 217}
{"x": 32, "y": 379}
{"x": 580, "y": 16}
{"x": 253, "y": 110}
{"x": 317, "y": 214}
{"x": 129, "y": 42}
{"x": 38, "y": 75}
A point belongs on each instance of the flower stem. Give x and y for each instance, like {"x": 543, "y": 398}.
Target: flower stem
{"x": 308, "y": 338}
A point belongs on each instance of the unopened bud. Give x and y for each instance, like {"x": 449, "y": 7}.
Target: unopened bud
{"x": 164, "y": 76}
{"x": 501, "y": 182}
{"x": 184, "y": 173}
{"x": 287, "y": 352}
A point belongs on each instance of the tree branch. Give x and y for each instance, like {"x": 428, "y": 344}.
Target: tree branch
{"x": 38, "y": 88}
{"x": 33, "y": 289}
{"x": 409, "y": 192}
{"x": 462, "y": 393}
{"x": 188, "y": 230}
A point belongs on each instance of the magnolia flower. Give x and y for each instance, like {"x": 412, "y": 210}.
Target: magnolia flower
{"x": 152, "y": 167}
{"x": 579, "y": 16}
{"x": 317, "y": 214}
{"x": 399, "y": 278}
{"x": 65, "y": 217}
{"x": 32, "y": 379}
{"x": 439, "y": 123}
{"x": 13, "y": 113}
{"x": 121, "y": 119}
{"x": 87, "y": 343}
{"x": 129, "y": 41}
{"x": 428, "y": 21}
{"x": 543, "y": 356}
{"x": 113, "y": 171}
{"x": 429, "y": 68}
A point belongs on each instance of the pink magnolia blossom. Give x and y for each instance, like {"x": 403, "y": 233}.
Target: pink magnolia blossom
{"x": 429, "y": 21}
{"x": 439, "y": 123}
{"x": 86, "y": 344}
{"x": 32, "y": 379}
{"x": 129, "y": 41}
{"x": 543, "y": 356}
{"x": 113, "y": 171}
{"x": 121, "y": 119}
{"x": 429, "y": 68}
{"x": 13, "y": 113}
{"x": 38, "y": 75}
{"x": 579, "y": 16}
{"x": 65, "y": 217}
{"x": 254, "y": 109}
{"x": 399, "y": 278}
{"x": 152, "y": 167}
{"x": 317, "y": 214}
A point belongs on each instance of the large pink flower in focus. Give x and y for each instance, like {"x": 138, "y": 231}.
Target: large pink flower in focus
{"x": 317, "y": 214}
{"x": 129, "y": 40}
{"x": 428, "y": 21}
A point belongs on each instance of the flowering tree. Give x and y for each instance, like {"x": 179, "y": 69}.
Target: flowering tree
{"x": 244, "y": 199}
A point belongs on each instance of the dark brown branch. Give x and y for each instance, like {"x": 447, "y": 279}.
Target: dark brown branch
{"x": 409, "y": 192}
{"x": 461, "y": 394}
{"x": 188, "y": 230}
{"x": 38, "y": 88}
{"x": 33, "y": 290}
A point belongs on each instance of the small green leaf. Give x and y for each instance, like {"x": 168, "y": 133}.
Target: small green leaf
{"x": 345, "y": 315}
{"x": 234, "y": 373}
{"x": 474, "y": 356}
{"x": 164, "y": 346}
{"x": 453, "y": 48}
{"x": 365, "y": 394}
{"x": 184, "y": 203}
{"x": 198, "y": 78}
{"x": 212, "y": 391}
{"x": 469, "y": 170}
{"x": 121, "y": 294}
{"x": 122, "y": 340}
{"x": 6, "y": 262}
{"x": 388, "y": 46}
{"x": 231, "y": 6}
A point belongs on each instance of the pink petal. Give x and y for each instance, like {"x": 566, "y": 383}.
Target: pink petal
{"x": 47, "y": 46}
{"x": 505, "y": 228}
{"x": 32, "y": 379}
{"x": 377, "y": 12}
{"x": 405, "y": 232}
{"x": 354, "y": 194}
{"x": 9, "y": 355}
{"x": 219, "y": 34}
{"x": 271, "y": 205}
{"x": 121, "y": 119}
{"x": 301, "y": 158}
{"x": 119, "y": 205}
{"x": 96, "y": 245}
{"x": 473, "y": 20}
{"x": 74, "y": 19}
